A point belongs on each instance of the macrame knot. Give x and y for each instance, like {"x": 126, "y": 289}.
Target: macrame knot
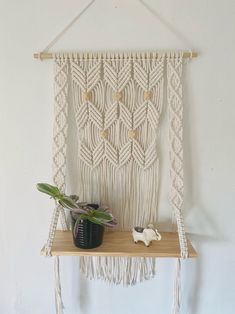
{"x": 104, "y": 133}
{"x": 87, "y": 96}
{"x": 132, "y": 134}
{"x": 118, "y": 96}
{"x": 147, "y": 95}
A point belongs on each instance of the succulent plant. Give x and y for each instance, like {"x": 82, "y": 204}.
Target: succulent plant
{"x": 79, "y": 210}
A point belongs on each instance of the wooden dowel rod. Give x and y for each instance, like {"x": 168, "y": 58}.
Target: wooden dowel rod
{"x": 43, "y": 55}
{"x": 47, "y": 55}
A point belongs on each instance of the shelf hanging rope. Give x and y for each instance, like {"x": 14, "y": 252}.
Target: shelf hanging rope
{"x": 45, "y": 54}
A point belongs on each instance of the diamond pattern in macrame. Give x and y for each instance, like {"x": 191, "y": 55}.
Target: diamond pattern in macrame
{"x": 117, "y": 108}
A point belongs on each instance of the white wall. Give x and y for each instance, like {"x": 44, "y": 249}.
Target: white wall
{"x": 26, "y": 97}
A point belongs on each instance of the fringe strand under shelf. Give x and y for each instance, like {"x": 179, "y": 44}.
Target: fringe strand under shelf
{"x": 47, "y": 55}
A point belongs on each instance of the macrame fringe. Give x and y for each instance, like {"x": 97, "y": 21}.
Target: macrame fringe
{"x": 117, "y": 188}
{"x": 58, "y": 295}
{"x": 128, "y": 191}
{"x": 118, "y": 270}
{"x": 177, "y": 288}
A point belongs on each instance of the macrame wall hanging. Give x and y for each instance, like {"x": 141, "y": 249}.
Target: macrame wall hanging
{"x": 116, "y": 100}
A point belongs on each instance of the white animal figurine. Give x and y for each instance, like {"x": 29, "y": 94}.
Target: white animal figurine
{"x": 146, "y": 235}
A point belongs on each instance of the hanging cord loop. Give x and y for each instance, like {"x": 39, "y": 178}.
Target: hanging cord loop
{"x": 168, "y": 26}
{"x": 156, "y": 15}
{"x": 58, "y": 37}
{"x": 45, "y": 54}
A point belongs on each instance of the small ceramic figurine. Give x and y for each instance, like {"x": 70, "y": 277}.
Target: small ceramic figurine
{"x": 146, "y": 235}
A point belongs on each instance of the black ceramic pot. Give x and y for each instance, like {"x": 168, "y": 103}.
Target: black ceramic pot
{"x": 87, "y": 235}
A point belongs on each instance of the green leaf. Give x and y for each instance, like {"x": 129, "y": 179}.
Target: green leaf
{"x": 67, "y": 202}
{"x": 102, "y": 215}
{"x": 82, "y": 216}
{"x": 48, "y": 189}
{"x": 94, "y": 220}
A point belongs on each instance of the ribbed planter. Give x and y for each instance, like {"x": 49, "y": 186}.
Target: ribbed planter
{"x": 87, "y": 234}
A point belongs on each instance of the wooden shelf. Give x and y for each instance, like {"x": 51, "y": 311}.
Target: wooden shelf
{"x": 117, "y": 243}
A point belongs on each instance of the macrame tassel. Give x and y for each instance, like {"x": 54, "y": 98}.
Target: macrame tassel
{"x": 58, "y": 296}
{"x": 118, "y": 270}
{"x": 177, "y": 288}
{"x": 46, "y": 250}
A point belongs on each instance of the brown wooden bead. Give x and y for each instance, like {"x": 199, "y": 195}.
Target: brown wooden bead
{"x": 87, "y": 96}
{"x": 148, "y": 95}
{"x": 104, "y": 133}
{"x": 132, "y": 134}
{"x": 118, "y": 96}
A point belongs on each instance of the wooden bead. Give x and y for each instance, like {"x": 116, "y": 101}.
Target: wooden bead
{"x": 132, "y": 134}
{"x": 118, "y": 96}
{"x": 87, "y": 96}
{"x": 147, "y": 95}
{"x": 104, "y": 133}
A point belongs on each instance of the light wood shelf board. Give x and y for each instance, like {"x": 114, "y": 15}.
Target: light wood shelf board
{"x": 118, "y": 243}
